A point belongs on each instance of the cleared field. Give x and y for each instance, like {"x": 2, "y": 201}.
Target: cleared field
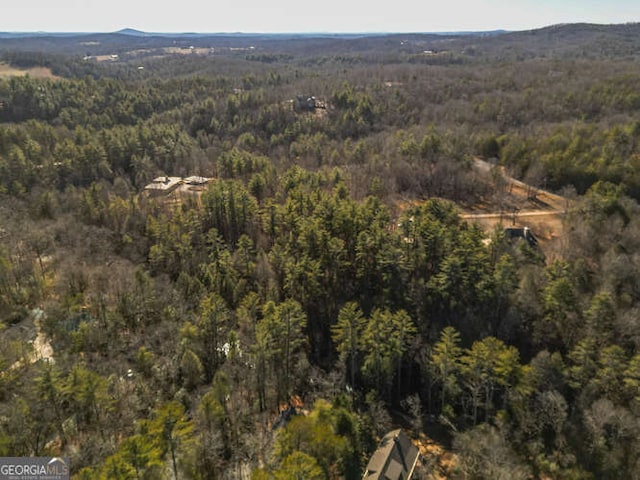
{"x": 543, "y": 213}
{"x": 187, "y": 51}
{"x": 7, "y": 71}
{"x": 154, "y": 53}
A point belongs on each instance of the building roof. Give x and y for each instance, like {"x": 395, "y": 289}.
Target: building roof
{"x": 521, "y": 232}
{"x": 305, "y": 102}
{"x": 395, "y": 458}
{"x": 195, "y": 180}
{"x": 163, "y": 184}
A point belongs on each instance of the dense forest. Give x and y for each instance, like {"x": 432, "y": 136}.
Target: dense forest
{"x": 326, "y": 268}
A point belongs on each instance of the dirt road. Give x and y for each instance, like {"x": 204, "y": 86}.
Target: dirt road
{"x": 41, "y": 347}
{"x": 542, "y": 211}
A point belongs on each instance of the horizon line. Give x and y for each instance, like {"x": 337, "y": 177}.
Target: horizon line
{"x": 320, "y": 32}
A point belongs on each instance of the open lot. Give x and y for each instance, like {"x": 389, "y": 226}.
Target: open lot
{"x": 7, "y": 71}
{"x": 521, "y": 205}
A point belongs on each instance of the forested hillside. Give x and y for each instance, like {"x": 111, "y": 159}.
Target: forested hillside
{"x": 325, "y": 267}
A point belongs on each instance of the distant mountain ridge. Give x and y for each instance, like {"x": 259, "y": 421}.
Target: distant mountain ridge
{"x": 554, "y": 41}
{"x": 139, "y": 33}
{"x": 574, "y": 28}
{"x": 132, "y": 31}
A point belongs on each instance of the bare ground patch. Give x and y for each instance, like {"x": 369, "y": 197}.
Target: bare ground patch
{"x": 7, "y": 71}
{"x": 516, "y": 204}
{"x": 520, "y": 205}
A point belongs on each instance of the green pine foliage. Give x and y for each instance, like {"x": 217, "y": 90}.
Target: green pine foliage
{"x": 325, "y": 271}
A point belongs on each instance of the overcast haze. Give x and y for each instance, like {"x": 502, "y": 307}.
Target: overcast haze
{"x": 299, "y": 16}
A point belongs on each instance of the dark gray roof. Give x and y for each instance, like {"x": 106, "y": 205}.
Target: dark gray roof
{"x": 395, "y": 458}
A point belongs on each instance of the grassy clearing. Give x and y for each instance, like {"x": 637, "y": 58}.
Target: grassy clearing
{"x": 7, "y": 71}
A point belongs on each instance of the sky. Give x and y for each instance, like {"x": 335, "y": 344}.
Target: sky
{"x": 273, "y": 16}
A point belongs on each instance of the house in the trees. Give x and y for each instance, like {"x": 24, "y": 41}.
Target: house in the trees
{"x": 163, "y": 186}
{"x": 514, "y": 233}
{"x": 304, "y": 103}
{"x": 196, "y": 181}
{"x": 308, "y": 103}
{"x": 195, "y": 184}
{"x": 395, "y": 458}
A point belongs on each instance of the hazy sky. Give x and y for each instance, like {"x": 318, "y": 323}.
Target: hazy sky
{"x": 304, "y": 16}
